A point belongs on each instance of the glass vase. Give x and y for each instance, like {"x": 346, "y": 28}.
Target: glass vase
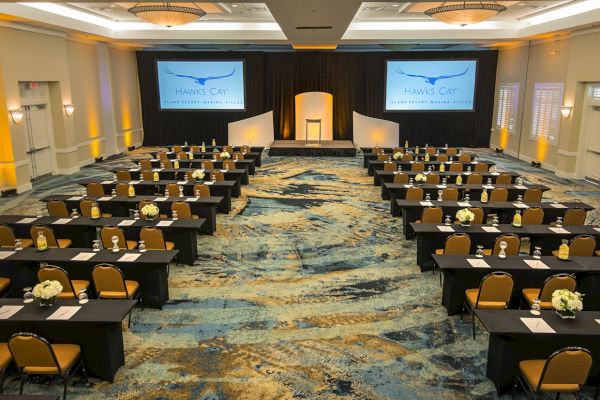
{"x": 47, "y": 302}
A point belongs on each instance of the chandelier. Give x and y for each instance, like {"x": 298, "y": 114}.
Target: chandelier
{"x": 465, "y": 12}
{"x": 166, "y": 14}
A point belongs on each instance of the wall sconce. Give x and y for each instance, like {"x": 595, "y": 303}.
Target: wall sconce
{"x": 16, "y": 115}
{"x": 69, "y": 109}
{"x": 566, "y": 111}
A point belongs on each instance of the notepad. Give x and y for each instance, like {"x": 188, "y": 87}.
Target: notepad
{"x": 467, "y": 173}
{"x": 426, "y": 203}
{"x": 191, "y": 199}
{"x": 129, "y": 257}
{"x": 127, "y": 222}
{"x": 490, "y": 229}
{"x": 165, "y": 223}
{"x": 161, "y": 199}
{"x": 445, "y": 228}
{"x": 488, "y": 187}
{"x": 598, "y": 321}
{"x": 463, "y": 204}
{"x": 520, "y": 205}
{"x": 26, "y": 220}
{"x": 64, "y": 312}
{"x": 134, "y": 169}
{"x": 536, "y": 264}
{"x": 154, "y": 159}
{"x": 474, "y": 162}
{"x": 408, "y": 186}
{"x": 105, "y": 198}
{"x": 6, "y": 254}
{"x": 558, "y": 230}
{"x": 441, "y": 186}
{"x": 75, "y": 198}
{"x": 83, "y": 256}
{"x": 558, "y": 205}
{"x": 157, "y": 169}
{"x": 134, "y": 182}
{"x": 397, "y": 172}
{"x": 495, "y": 173}
{"x": 478, "y": 263}
{"x": 597, "y": 229}
{"x": 224, "y": 170}
{"x": 537, "y": 325}
{"x": 520, "y": 187}
{"x": 8, "y": 311}
{"x": 208, "y": 182}
{"x": 106, "y": 182}
{"x": 63, "y": 221}
{"x": 181, "y": 182}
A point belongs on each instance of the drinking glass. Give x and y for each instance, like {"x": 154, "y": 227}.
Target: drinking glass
{"x": 537, "y": 253}
{"x": 479, "y": 252}
{"x": 74, "y": 213}
{"x": 448, "y": 220}
{"x": 467, "y": 197}
{"x": 519, "y": 199}
{"x": 136, "y": 214}
{"x": 142, "y": 246}
{"x": 399, "y": 167}
{"x": 167, "y": 194}
{"x": 18, "y": 245}
{"x": 495, "y": 221}
{"x": 84, "y": 192}
{"x": 180, "y": 191}
{"x": 82, "y": 297}
{"x": 213, "y": 177}
{"x": 115, "y": 242}
{"x": 536, "y": 307}
{"x": 559, "y": 222}
{"x": 427, "y": 197}
{"x": 469, "y": 168}
{"x": 439, "y": 192}
{"x": 444, "y": 181}
{"x": 489, "y": 181}
{"x": 175, "y": 215}
{"x": 40, "y": 213}
{"x": 411, "y": 181}
{"x": 113, "y": 192}
{"x": 96, "y": 246}
{"x": 27, "y": 295}
{"x": 503, "y": 246}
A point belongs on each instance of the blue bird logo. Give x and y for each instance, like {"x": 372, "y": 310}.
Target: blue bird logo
{"x": 432, "y": 79}
{"x": 198, "y": 79}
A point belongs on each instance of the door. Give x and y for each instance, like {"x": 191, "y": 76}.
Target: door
{"x": 591, "y": 158}
{"x": 38, "y": 143}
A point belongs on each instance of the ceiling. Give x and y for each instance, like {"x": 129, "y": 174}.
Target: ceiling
{"x": 277, "y": 24}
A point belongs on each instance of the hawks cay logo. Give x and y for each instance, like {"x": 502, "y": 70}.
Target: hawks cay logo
{"x": 431, "y": 80}
{"x": 201, "y": 81}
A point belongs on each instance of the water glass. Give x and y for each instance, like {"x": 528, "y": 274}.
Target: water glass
{"x": 28, "y": 295}
{"x": 439, "y": 192}
{"x": 142, "y": 246}
{"x": 180, "y": 191}
{"x": 559, "y": 222}
{"x": 536, "y": 307}
{"x": 448, "y": 220}
{"x": 74, "y": 213}
{"x": 427, "y": 197}
{"x": 479, "y": 252}
{"x": 469, "y": 168}
{"x": 96, "y": 246}
{"x": 175, "y": 216}
{"x": 115, "y": 242}
{"x": 18, "y": 245}
{"x": 113, "y": 192}
{"x": 495, "y": 221}
{"x": 444, "y": 181}
{"x": 537, "y": 253}
{"x": 40, "y": 213}
{"x": 467, "y": 197}
{"x": 82, "y": 297}
{"x": 489, "y": 181}
{"x": 519, "y": 199}
{"x": 136, "y": 214}
{"x": 502, "y": 253}
{"x": 411, "y": 181}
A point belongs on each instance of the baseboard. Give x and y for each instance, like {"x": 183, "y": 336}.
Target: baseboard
{"x": 24, "y": 187}
{"x": 505, "y": 151}
{"x": 124, "y": 149}
{"x": 67, "y": 171}
{"x": 545, "y": 166}
{"x": 89, "y": 161}
{"x": 565, "y": 174}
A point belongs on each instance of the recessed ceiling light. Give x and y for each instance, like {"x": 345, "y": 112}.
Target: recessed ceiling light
{"x": 395, "y": 5}
{"x": 234, "y": 5}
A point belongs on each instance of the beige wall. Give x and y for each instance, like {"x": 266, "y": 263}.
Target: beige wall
{"x": 573, "y": 61}
{"x": 73, "y": 70}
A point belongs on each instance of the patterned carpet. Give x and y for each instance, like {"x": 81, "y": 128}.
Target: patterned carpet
{"x": 307, "y": 291}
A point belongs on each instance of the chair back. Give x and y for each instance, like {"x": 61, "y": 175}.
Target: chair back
{"x": 54, "y": 273}
{"x": 397, "y": 149}
{"x": 433, "y": 179}
{"x": 503, "y": 179}
{"x": 495, "y": 287}
{"x": 402, "y": 177}
{"x": 376, "y": 150}
{"x": 432, "y": 215}
{"x": 228, "y": 164}
{"x": 154, "y": 239}
{"x": 228, "y": 149}
{"x": 481, "y": 167}
{"x": 195, "y": 149}
{"x": 451, "y": 151}
{"x": 442, "y": 158}
{"x": 457, "y": 244}
{"x": 123, "y": 175}
{"x": 144, "y": 203}
{"x": 203, "y": 189}
{"x": 464, "y": 158}
{"x": 182, "y": 155}
{"x": 177, "y": 149}
{"x": 218, "y": 175}
{"x": 145, "y": 165}
{"x": 57, "y": 208}
{"x": 122, "y": 189}
{"x": 513, "y": 244}
{"x": 383, "y": 157}
{"x": 183, "y": 209}
{"x": 33, "y": 351}
{"x": 450, "y": 194}
{"x": 107, "y": 233}
{"x": 108, "y": 278}
{"x": 148, "y": 175}
{"x": 7, "y": 236}
{"x": 246, "y": 148}
{"x": 238, "y": 155}
{"x": 499, "y": 194}
{"x": 189, "y": 177}
{"x": 86, "y": 205}
{"x": 430, "y": 150}
{"x": 475, "y": 179}
{"x": 582, "y": 245}
{"x": 173, "y": 189}
{"x": 207, "y": 164}
{"x": 48, "y": 233}
{"x": 532, "y": 195}
{"x": 455, "y": 167}
{"x": 417, "y": 166}
{"x": 567, "y": 366}
{"x": 94, "y": 189}
{"x": 390, "y": 166}
{"x": 478, "y": 211}
{"x": 168, "y": 164}
{"x": 557, "y": 282}
{"x": 414, "y": 193}
{"x": 574, "y": 216}
{"x": 162, "y": 156}
{"x": 532, "y": 216}
{"x": 408, "y": 157}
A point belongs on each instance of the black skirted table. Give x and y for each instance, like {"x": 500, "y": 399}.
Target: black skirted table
{"x": 381, "y": 177}
{"x": 254, "y": 154}
{"x": 148, "y": 268}
{"x": 239, "y": 175}
{"x": 96, "y": 327}
{"x": 196, "y": 162}
{"x": 368, "y": 157}
{"x": 511, "y": 341}
{"x": 375, "y": 165}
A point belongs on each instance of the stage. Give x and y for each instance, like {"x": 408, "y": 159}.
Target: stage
{"x": 327, "y": 148}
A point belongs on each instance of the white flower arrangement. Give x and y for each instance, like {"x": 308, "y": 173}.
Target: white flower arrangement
{"x": 225, "y": 155}
{"x": 198, "y": 174}
{"x": 397, "y": 155}
{"x": 566, "y": 301}
{"x": 150, "y": 210}
{"x": 420, "y": 178}
{"x": 465, "y": 215}
{"x": 47, "y": 290}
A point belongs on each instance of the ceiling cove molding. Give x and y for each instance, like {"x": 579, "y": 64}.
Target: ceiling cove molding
{"x": 28, "y": 28}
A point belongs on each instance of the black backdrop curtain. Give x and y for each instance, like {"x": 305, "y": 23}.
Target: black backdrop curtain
{"x": 355, "y": 79}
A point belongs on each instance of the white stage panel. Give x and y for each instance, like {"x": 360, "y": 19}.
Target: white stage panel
{"x": 257, "y": 131}
{"x": 371, "y": 132}
{"x": 314, "y": 105}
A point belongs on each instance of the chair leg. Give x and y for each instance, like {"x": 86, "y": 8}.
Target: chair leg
{"x": 83, "y": 371}
{"x": 473, "y": 321}
{"x": 23, "y": 379}
{"x": 514, "y": 391}
{"x": 66, "y": 379}
{"x": 558, "y": 395}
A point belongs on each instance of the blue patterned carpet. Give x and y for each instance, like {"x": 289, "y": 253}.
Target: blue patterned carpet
{"x": 307, "y": 291}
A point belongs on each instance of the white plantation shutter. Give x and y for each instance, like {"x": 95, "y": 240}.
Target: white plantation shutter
{"x": 508, "y": 101}
{"x": 596, "y": 93}
{"x": 547, "y": 100}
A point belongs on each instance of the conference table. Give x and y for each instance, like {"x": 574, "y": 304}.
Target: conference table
{"x": 376, "y": 165}
{"x": 411, "y": 210}
{"x": 196, "y": 162}
{"x": 433, "y": 236}
{"x": 240, "y": 175}
{"x": 255, "y": 151}
{"x": 148, "y": 268}
{"x": 120, "y": 206}
{"x": 381, "y": 177}
{"x": 511, "y": 341}
{"x": 369, "y": 155}
{"x": 83, "y": 230}
{"x": 96, "y": 327}
{"x": 222, "y": 189}
{"x": 465, "y": 272}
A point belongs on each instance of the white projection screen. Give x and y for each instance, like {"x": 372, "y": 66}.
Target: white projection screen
{"x": 201, "y": 85}
{"x": 430, "y": 85}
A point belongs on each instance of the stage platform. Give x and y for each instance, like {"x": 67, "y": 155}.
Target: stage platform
{"x": 327, "y": 148}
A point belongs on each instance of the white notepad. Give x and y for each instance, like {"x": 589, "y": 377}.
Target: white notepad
{"x": 6, "y": 254}
{"x": 426, "y": 203}
{"x": 490, "y": 229}
{"x": 463, "y": 204}
{"x": 105, "y": 198}
{"x": 445, "y": 228}
{"x": 26, "y": 220}
{"x": 558, "y": 205}
{"x": 64, "y": 312}
{"x": 75, "y": 198}
{"x": 467, "y": 173}
{"x": 597, "y": 229}
{"x": 154, "y": 159}
{"x": 224, "y": 170}
{"x": 83, "y": 256}
{"x": 495, "y": 173}
{"x": 520, "y": 187}
{"x": 488, "y": 187}
{"x": 181, "y": 182}
{"x": 441, "y": 186}
{"x": 8, "y": 311}
{"x": 558, "y": 230}
{"x": 127, "y": 222}
{"x": 63, "y": 221}
{"x": 536, "y": 264}
{"x": 134, "y": 170}
{"x": 478, "y": 263}
{"x": 157, "y": 169}
{"x": 520, "y": 205}
{"x": 165, "y": 223}
{"x": 106, "y": 182}
{"x": 161, "y": 199}
{"x": 474, "y": 162}
{"x": 598, "y": 321}
{"x": 191, "y": 199}
{"x": 134, "y": 182}
{"x": 129, "y": 257}
{"x": 537, "y": 325}
{"x": 208, "y": 183}
{"x": 397, "y": 172}
{"x": 408, "y": 186}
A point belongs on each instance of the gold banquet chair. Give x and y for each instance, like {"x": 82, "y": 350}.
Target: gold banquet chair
{"x": 203, "y": 189}
{"x": 228, "y": 164}
{"x": 376, "y": 150}
{"x": 177, "y": 149}
{"x": 95, "y": 189}
{"x": 71, "y": 287}
{"x": 397, "y": 149}
{"x": 7, "y": 238}
{"x": 123, "y": 175}
{"x": 195, "y": 149}
{"x": 86, "y": 205}
{"x": 146, "y": 165}
{"x": 494, "y": 292}
{"x": 450, "y": 194}
{"x": 383, "y": 157}
{"x": 464, "y": 158}
{"x": 401, "y": 178}
{"x": 228, "y": 149}
{"x": 455, "y": 244}
{"x": 218, "y": 176}
{"x": 408, "y": 157}
{"x": 5, "y": 291}
{"x": 451, "y": 151}
{"x": 122, "y": 189}
{"x": 532, "y": 195}
{"x": 183, "y": 210}
{"x": 48, "y": 232}
{"x": 503, "y": 179}
{"x": 414, "y": 193}
{"x": 390, "y": 166}
{"x": 57, "y": 208}
{"x": 565, "y": 371}
{"x": 168, "y": 164}
{"x": 148, "y": 175}
{"x": 580, "y": 246}
{"x": 207, "y": 164}
{"x": 513, "y": 244}
{"x": 433, "y": 179}
{"x": 481, "y": 167}
{"x": 456, "y": 167}
{"x": 237, "y": 155}
{"x": 245, "y": 149}
{"x": 34, "y": 355}
{"x": 551, "y": 284}
{"x": 431, "y": 215}
{"x": 475, "y": 179}
{"x": 154, "y": 239}
{"x": 430, "y": 150}
{"x": 110, "y": 283}
{"x": 417, "y": 166}
{"x": 442, "y": 158}
{"x": 107, "y": 233}
{"x": 498, "y": 194}
{"x": 5, "y": 362}
{"x": 532, "y": 216}
{"x": 574, "y": 216}
{"x": 173, "y": 189}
